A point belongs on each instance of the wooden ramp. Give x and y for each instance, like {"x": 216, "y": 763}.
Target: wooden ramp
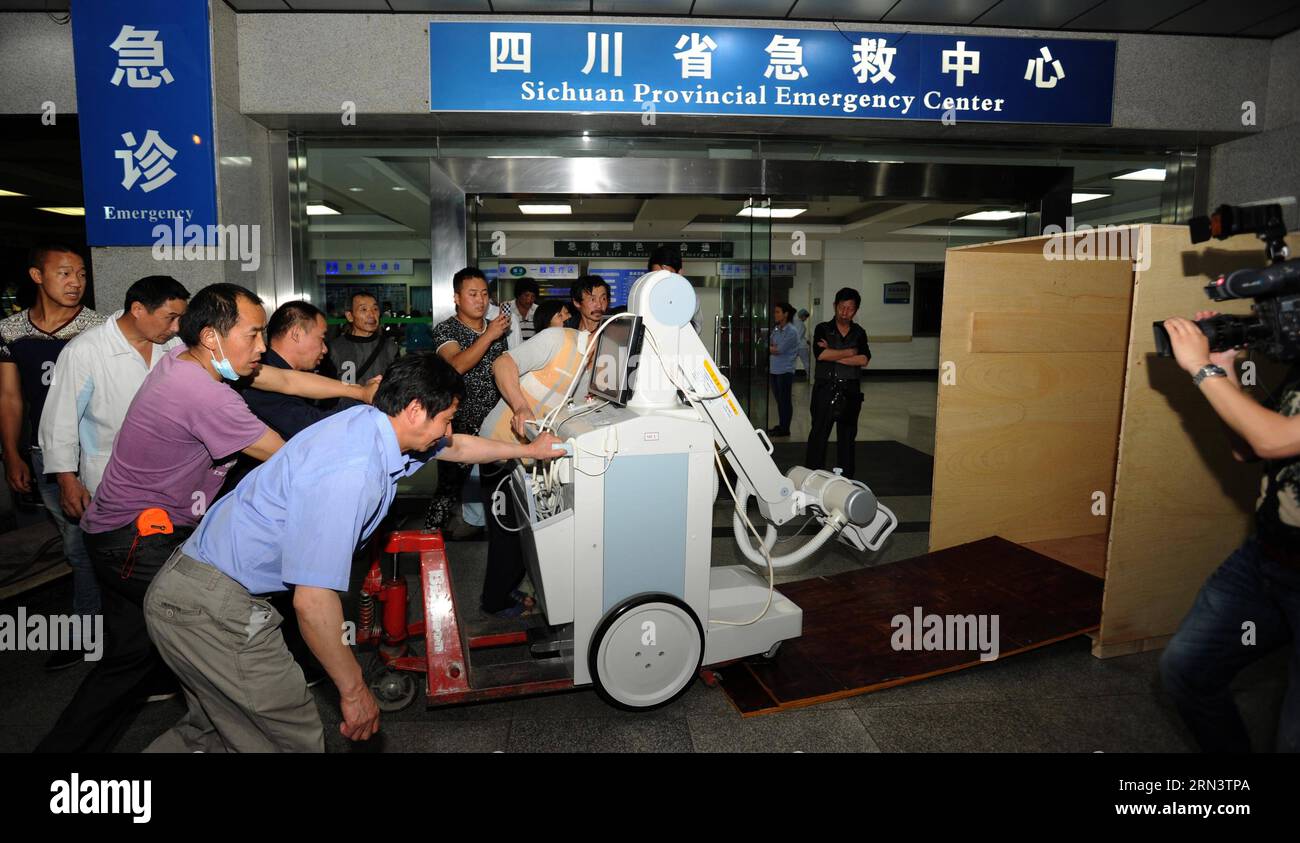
{"x": 846, "y": 647}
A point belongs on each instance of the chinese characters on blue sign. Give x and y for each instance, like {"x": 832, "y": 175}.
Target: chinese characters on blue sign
{"x": 693, "y": 69}
{"x": 378, "y": 266}
{"x": 144, "y": 101}
{"x": 620, "y": 281}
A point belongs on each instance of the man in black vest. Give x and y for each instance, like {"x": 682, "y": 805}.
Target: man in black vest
{"x": 363, "y": 350}
{"x": 842, "y": 350}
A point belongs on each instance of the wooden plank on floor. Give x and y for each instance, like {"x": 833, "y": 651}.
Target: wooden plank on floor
{"x": 744, "y": 691}
{"x": 847, "y": 642}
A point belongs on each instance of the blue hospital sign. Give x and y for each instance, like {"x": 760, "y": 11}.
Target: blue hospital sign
{"x": 696, "y": 69}
{"x": 144, "y": 101}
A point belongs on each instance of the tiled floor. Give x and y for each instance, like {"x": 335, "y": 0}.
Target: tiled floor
{"x": 901, "y": 410}
{"x": 1056, "y": 699}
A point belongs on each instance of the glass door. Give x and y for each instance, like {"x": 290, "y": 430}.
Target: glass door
{"x": 742, "y": 327}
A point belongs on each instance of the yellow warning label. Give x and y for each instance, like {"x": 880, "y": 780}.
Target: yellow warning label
{"x": 714, "y": 375}
{"x": 735, "y": 411}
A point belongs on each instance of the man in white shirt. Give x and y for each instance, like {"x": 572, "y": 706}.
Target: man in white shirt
{"x": 95, "y": 378}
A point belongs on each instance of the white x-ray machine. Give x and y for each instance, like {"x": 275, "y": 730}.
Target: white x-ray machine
{"x": 618, "y": 532}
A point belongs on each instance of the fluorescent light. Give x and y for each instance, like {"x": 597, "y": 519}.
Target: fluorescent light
{"x": 10, "y": 193}
{"x": 399, "y": 189}
{"x": 769, "y": 213}
{"x": 1149, "y": 174}
{"x": 319, "y": 209}
{"x": 1086, "y": 196}
{"x": 356, "y": 189}
{"x": 237, "y": 160}
{"x": 67, "y": 212}
{"x": 523, "y": 156}
{"x": 881, "y": 161}
{"x": 992, "y": 216}
{"x": 545, "y": 208}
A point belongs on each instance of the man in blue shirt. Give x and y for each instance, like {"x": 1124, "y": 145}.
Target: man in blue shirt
{"x": 784, "y": 347}
{"x": 294, "y": 524}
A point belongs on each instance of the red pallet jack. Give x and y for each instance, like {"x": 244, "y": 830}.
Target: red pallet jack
{"x": 451, "y": 678}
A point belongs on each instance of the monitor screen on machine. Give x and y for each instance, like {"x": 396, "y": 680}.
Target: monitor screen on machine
{"x": 617, "y": 352}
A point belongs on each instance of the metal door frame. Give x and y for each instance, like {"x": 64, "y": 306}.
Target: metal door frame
{"x": 1044, "y": 190}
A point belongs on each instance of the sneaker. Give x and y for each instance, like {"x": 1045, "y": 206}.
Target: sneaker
{"x": 62, "y": 660}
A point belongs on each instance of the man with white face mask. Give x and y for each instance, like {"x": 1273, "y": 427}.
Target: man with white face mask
{"x": 182, "y": 432}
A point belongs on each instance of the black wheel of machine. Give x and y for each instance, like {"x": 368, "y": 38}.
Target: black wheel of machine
{"x": 394, "y": 690}
{"x": 645, "y": 652}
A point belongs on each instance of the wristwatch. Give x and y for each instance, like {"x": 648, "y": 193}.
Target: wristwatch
{"x": 1209, "y": 370}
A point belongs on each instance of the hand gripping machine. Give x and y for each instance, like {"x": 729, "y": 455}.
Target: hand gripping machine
{"x": 617, "y": 533}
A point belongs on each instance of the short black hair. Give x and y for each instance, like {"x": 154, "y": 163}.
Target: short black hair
{"x": 216, "y": 306}
{"x": 545, "y": 311}
{"x": 37, "y": 254}
{"x": 352, "y": 298}
{"x": 423, "y": 377}
{"x": 292, "y": 313}
{"x": 463, "y": 275}
{"x": 526, "y": 285}
{"x": 787, "y": 308}
{"x": 849, "y": 294}
{"x": 586, "y": 284}
{"x": 153, "y": 291}
{"x": 665, "y": 256}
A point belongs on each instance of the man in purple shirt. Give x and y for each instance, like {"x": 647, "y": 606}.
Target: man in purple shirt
{"x": 184, "y": 428}
{"x": 292, "y": 525}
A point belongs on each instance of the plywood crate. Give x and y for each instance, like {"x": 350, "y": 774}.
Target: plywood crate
{"x": 1058, "y": 428}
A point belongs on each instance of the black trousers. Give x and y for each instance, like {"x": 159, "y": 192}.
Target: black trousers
{"x": 130, "y": 666}
{"x": 843, "y": 416}
{"x": 505, "y": 562}
{"x": 782, "y": 386}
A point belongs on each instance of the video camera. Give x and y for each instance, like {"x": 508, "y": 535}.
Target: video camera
{"x": 1273, "y": 327}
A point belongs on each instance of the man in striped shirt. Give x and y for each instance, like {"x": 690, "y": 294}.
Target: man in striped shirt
{"x": 520, "y": 311}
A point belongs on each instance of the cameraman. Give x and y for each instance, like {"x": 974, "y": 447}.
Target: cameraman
{"x": 1259, "y": 582}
